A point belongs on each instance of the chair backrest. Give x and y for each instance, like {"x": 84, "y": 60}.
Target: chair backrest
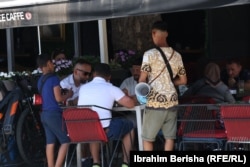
{"x": 246, "y": 99}
{"x": 83, "y": 125}
{"x": 189, "y": 112}
{"x": 197, "y": 100}
{"x": 196, "y": 117}
{"x": 237, "y": 121}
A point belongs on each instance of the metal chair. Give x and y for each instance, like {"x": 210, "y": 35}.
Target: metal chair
{"x": 199, "y": 123}
{"x": 237, "y": 122}
{"x": 84, "y": 126}
{"x": 246, "y": 99}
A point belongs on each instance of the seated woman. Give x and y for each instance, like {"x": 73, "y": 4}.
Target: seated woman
{"x": 211, "y": 86}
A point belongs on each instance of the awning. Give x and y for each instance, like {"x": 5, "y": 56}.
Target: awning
{"x": 14, "y": 13}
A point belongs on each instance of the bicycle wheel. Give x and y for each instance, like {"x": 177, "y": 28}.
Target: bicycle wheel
{"x": 31, "y": 138}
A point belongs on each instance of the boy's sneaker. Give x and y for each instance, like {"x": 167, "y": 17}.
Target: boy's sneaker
{"x": 96, "y": 165}
{"x": 124, "y": 164}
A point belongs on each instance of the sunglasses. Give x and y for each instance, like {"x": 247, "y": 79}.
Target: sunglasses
{"x": 85, "y": 73}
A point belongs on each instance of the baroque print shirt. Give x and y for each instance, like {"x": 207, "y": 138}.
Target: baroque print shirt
{"x": 163, "y": 93}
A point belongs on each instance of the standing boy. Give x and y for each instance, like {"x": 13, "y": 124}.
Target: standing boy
{"x": 51, "y": 116}
{"x": 160, "y": 113}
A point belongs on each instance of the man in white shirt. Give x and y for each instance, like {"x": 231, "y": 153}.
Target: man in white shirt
{"x": 81, "y": 74}
{"x": 102, "y": 93}
{"x": 128, "y": 85}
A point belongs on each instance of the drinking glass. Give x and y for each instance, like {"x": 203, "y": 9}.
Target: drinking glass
{"x": 241, "y": 86}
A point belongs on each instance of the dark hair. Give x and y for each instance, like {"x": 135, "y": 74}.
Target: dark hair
{"x": 138, "y": 61}
{"x": 233, "y": 60}
{"x": 160, "y": 25}
{"x": 81, "y": 61}
{"x": 43, "y": 59}
{"x": 56, "y": 52}
{"x": 102, "y": 69}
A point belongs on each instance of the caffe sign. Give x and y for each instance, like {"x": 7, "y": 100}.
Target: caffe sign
{"x": 15, "y": 16}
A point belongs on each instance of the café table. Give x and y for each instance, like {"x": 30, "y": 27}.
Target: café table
{"x": 239, "y": 96}
{"x": 138, "y": 110}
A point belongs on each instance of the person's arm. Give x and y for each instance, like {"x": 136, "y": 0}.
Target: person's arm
{"x": 61, "y": 97}
{"x": 143, "y": 76}
{"x": 127, "y": 101}
{"x": 180, "y": 80}
{"x": 181, "y": 77}
{"x": 229, "y": 97}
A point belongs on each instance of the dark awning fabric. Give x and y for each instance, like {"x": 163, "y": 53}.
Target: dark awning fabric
{"x": 45, "y": 12}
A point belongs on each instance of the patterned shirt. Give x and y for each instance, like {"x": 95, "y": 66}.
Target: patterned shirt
{"x": 163, "y": 93}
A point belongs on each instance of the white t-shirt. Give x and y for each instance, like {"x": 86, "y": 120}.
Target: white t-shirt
{"x": 69, "y": 83}
{"x": 100, "y": 93}
{"x": 129, "y": 84}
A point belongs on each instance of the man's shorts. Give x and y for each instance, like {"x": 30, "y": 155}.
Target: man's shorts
{"x": 118, "y": 128}
{"x": 154, "y": 120}
{"x": 54, "y": 127}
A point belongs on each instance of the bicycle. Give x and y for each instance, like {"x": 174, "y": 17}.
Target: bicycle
{"x": 30, "y": 134}
{"x": 22, "y": 122}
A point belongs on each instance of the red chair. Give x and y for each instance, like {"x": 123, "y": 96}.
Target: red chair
{"x": 237, "y": 122}
{"x": 199, "y": 123}
{"x": 84, "y": 126}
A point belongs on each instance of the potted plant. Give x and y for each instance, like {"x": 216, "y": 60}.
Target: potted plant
{"x": 63, "y": 67}
{"x": 7, "y": 79}
{"x": 123, "y": 58}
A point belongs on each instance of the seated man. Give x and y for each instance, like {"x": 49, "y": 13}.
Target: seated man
{"x": 102, "y": 93}
{"x": 235, "y": 72}
{"x": 128, "y": 87}
{"x": 81, "y": 74}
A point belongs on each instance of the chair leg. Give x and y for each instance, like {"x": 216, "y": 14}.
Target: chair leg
{"x": 114, "y": 152}
{"x": 66, "y": 158}
{"x": 66, "y": 164}
{"x": 102, "y": 159}
{"x": 181, "y": 146}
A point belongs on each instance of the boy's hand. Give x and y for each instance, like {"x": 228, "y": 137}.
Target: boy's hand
{"x": 69, "y": 93}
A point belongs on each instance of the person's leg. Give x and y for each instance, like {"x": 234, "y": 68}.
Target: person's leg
{"x": 50, "y": 155}
{"x": 50, "y": 140}
{"x": 148, "y": 145}
{"x": 169, "y": 145}
{"x": 122, "y": 127}
{"x": 128, "y": 144}
{"x": 95, "y": 149}
{"x": 169, "y": 128}
{"x": 85, "y": 151}
{"x": 152, "y": 122}
{"x": 58, "y": 128}
{"x": 61, "y": 154}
